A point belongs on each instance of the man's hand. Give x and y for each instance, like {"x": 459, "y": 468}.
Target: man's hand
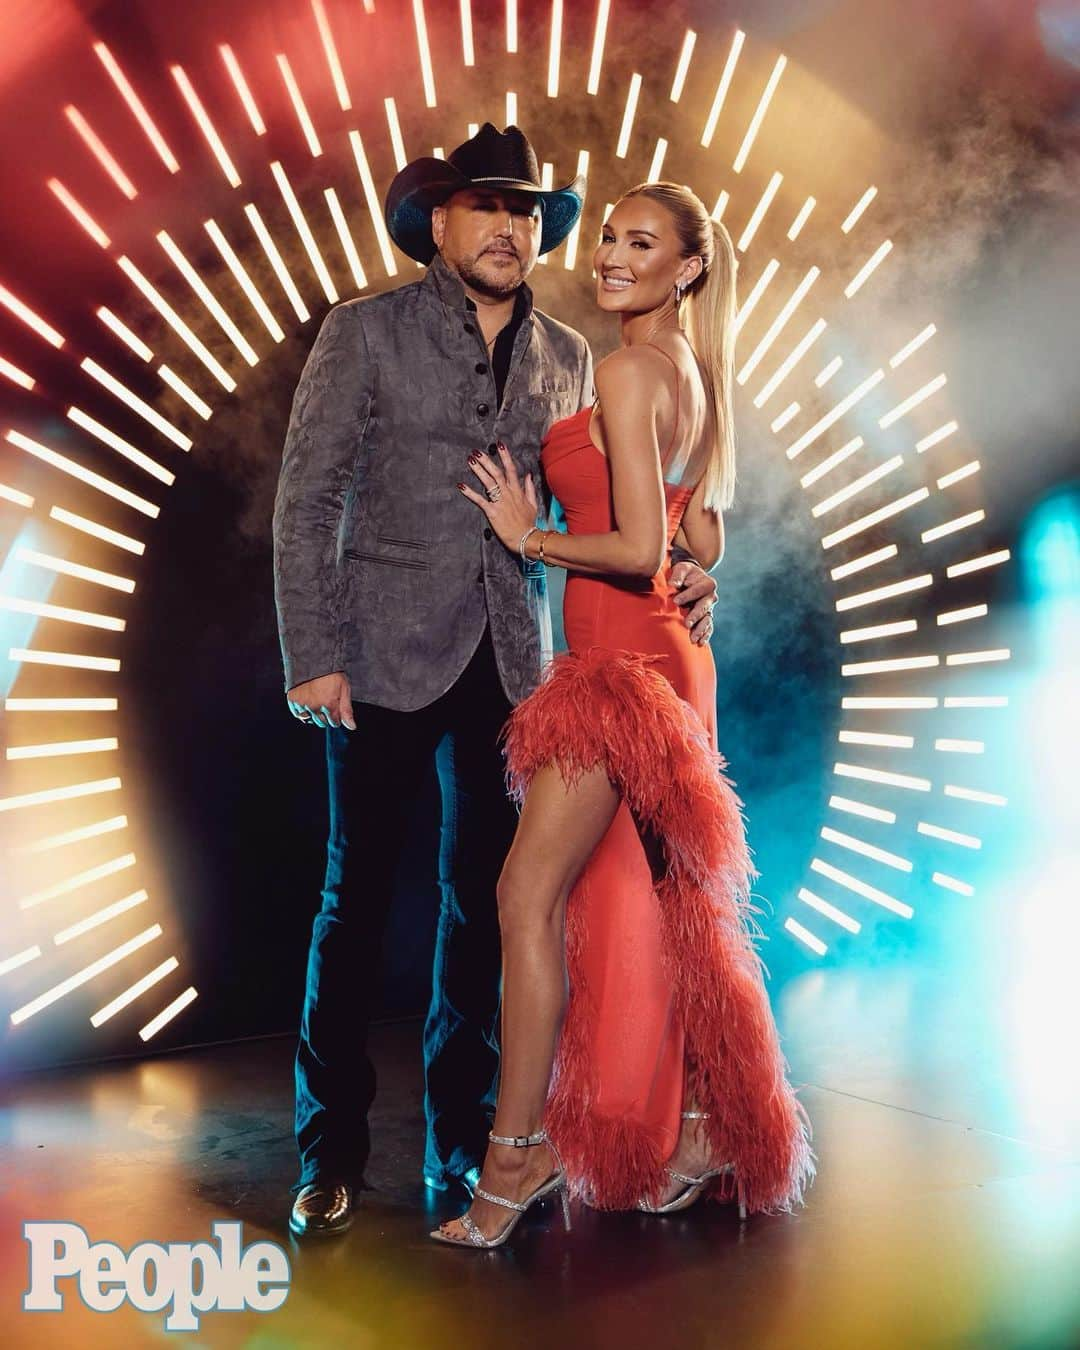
{"x": 325, "y": 702}
{"x": 695, "y": 590}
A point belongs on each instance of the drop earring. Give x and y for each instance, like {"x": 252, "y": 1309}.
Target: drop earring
{"x": 680, "y": 287}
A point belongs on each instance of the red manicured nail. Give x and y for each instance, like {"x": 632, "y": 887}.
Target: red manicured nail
{"x": 461, "y": 487}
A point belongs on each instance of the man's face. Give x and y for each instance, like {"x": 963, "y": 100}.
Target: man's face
{"x": 490, "y": 237}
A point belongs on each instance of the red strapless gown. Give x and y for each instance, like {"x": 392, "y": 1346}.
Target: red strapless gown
{"x": 665, "y": 984}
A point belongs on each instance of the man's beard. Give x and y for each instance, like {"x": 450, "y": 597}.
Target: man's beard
{"x": 469, "y": 272}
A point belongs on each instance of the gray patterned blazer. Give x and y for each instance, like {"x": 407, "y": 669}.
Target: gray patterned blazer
{"x": 382, "y": 569}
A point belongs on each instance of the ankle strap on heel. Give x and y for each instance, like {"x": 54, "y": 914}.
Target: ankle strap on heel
{"x": 519, "y": 1140}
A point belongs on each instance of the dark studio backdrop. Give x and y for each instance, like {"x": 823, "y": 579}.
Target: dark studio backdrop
{"x": 225, "y": 793}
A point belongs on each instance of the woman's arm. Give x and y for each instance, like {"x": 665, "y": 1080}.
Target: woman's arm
{"x": 702, "y": 531}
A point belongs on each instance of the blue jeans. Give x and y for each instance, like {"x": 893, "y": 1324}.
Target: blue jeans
{"x": 374, "y": 773}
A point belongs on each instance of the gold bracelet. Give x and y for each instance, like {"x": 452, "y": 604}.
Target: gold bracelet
{"x": 543, "y": 541}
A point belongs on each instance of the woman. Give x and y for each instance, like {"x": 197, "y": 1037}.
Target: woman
{"x": 630, "y": 863}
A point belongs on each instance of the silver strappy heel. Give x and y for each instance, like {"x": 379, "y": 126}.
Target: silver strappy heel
{"x": 555, "y": 1184}
{"x": 693, "y": 1187}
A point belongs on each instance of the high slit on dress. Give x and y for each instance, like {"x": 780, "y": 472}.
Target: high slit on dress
{"x": 667, "y": 997}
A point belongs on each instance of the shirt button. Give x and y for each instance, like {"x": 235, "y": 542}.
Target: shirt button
{"x": 487, "y": 532}
{"x": 482, "y": 409}
{"x": 480, "y": 577}
{"x": 492, "y": 448}
{"x": 469, "y": 328}
{"x": 481, "y": 369}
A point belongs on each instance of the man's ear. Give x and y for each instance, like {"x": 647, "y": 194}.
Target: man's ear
{"x": 438, "y": 225}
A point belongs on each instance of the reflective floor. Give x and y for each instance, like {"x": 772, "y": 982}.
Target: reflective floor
{"x": 938, "y": 1218}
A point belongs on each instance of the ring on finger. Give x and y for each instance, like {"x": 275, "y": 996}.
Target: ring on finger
{"x": 494, "y": 492}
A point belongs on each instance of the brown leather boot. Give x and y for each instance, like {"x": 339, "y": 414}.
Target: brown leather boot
{"x": 321, "y": 1209}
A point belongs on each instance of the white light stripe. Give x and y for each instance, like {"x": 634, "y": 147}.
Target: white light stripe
{"x": 779, "y": 423}
{"x": 69, "y": 659}
{"x": 73, "y": 569}
{"x": 374, "y": 205}
{"x": 511, "y": 108}
{"x": 511, "y": 26}
{"x": 805, "y": 936}
{"x": 950, "y": 745}
{"x": 913, "y": 401}
{"x": 678, "y": 84}
{"x": 722, "y": 88}
{"x": 28, "y": 317}
{"x": 17, "y": 498}
{"x": 348, "y": 245}
{"x": 88, "y": 789}
{"x": 15, "y": 374}
{"x": 895, "y": 703}
{"x": 555, "y": 48}
{"x": 860, "y": 598}
{"x": 241, "y": 86}
{"x": 961, "y": 569}
{"x": 570, "y": 256}
{"x": 468, "y": 47}
{"x": 758, "y": 213}
{"x": 216, "y": 309}
{"x": 603, "y": 11}
{"x": 207, "y": 127}
{"x": 861, "y": 888}
{"x": 951, "y": 884}
{"x": 880, "y": 738}
{"x": 951, "y": 526}
{"x": 861, "y": 564}
{"x": 936, "y": 437}
{"x": 138, "y": 110}
{"x": 101, "y": 916}
{"x": 884, "y": 667}
{"x": 977, "y": 701}
{"x": 122, "y": 447}
{"x": 137, "y": 405}
{"x": 879, "y": 630}
{"x": 60, "y": 705}
{"x": 958, "y": 475}
{"x": 74, "y": 836}
{"x": 855, "y": 808}
{"x": 76, "y": 882}
{"x": 133, "y": 991}
{"x": 962, "y": 615}
{"x": 784, "y": 369}
{"x": 19, "y": 959}
{"x": 79, "y": 212}
{"x": 847, "y": 402}
{"x": 277, "y": 262}
{"x": 657, "y": 165}
{"x": 880, "y": 855}
{"x": 748, "y": 305}
{"x": 720, "y": 207}
{"x": 83, "y": 976}
{"x": 801, "y": 219}
{"x": 61, "y": 614}
{"x": 856, "y": 211}
{"x": 424, "y": 49}
{"x": 778, "y": 324}
{"x": 913, "y": 346}
{"x": 978, "y": 658}
{"x": 124, "y": 333}
{"x": 178, "y": 326}
{"x": 826, "y": 373}
{"x": 236, "y": 267}
{"x": 168, "y": 1013}
{"x": 474, "y": 127}
{"x": 830, "y": 911}
{"x": 900, "y": 780}
{"x": 857, "y": 485}
{"x": 333, "y": 61}
{"x": 868, "y": 268}
{"x": 100, "y": 151}
{"x": 831, "y": 461}
{"x": 882, "y": 513}
{"x": 973, "y": 795}
{"x": 632, "y": 95}
{"x": 950, "y": 836}
{"x": 759, "y": 114}
{"x": 190, "y": 397}
{"x": 101, "y": 532}
{"x": 94, "y": 480}
{"x": 304, "y": 231}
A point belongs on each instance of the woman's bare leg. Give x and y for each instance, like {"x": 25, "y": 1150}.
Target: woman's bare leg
{"x": 559, "y": 828}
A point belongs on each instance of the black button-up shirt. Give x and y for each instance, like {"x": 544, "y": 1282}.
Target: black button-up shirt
{"x": 504, "y": 344}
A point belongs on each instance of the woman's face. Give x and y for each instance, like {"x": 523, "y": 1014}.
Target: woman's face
{"x": 639, "y": 258}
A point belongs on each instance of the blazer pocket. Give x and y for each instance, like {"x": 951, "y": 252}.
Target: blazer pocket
{"x": 410, "y": 564}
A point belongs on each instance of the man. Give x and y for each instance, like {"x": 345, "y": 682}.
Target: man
{"x": 408, "y": 630}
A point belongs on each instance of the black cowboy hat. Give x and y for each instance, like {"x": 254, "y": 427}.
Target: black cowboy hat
{"x": 491, "y": 159}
